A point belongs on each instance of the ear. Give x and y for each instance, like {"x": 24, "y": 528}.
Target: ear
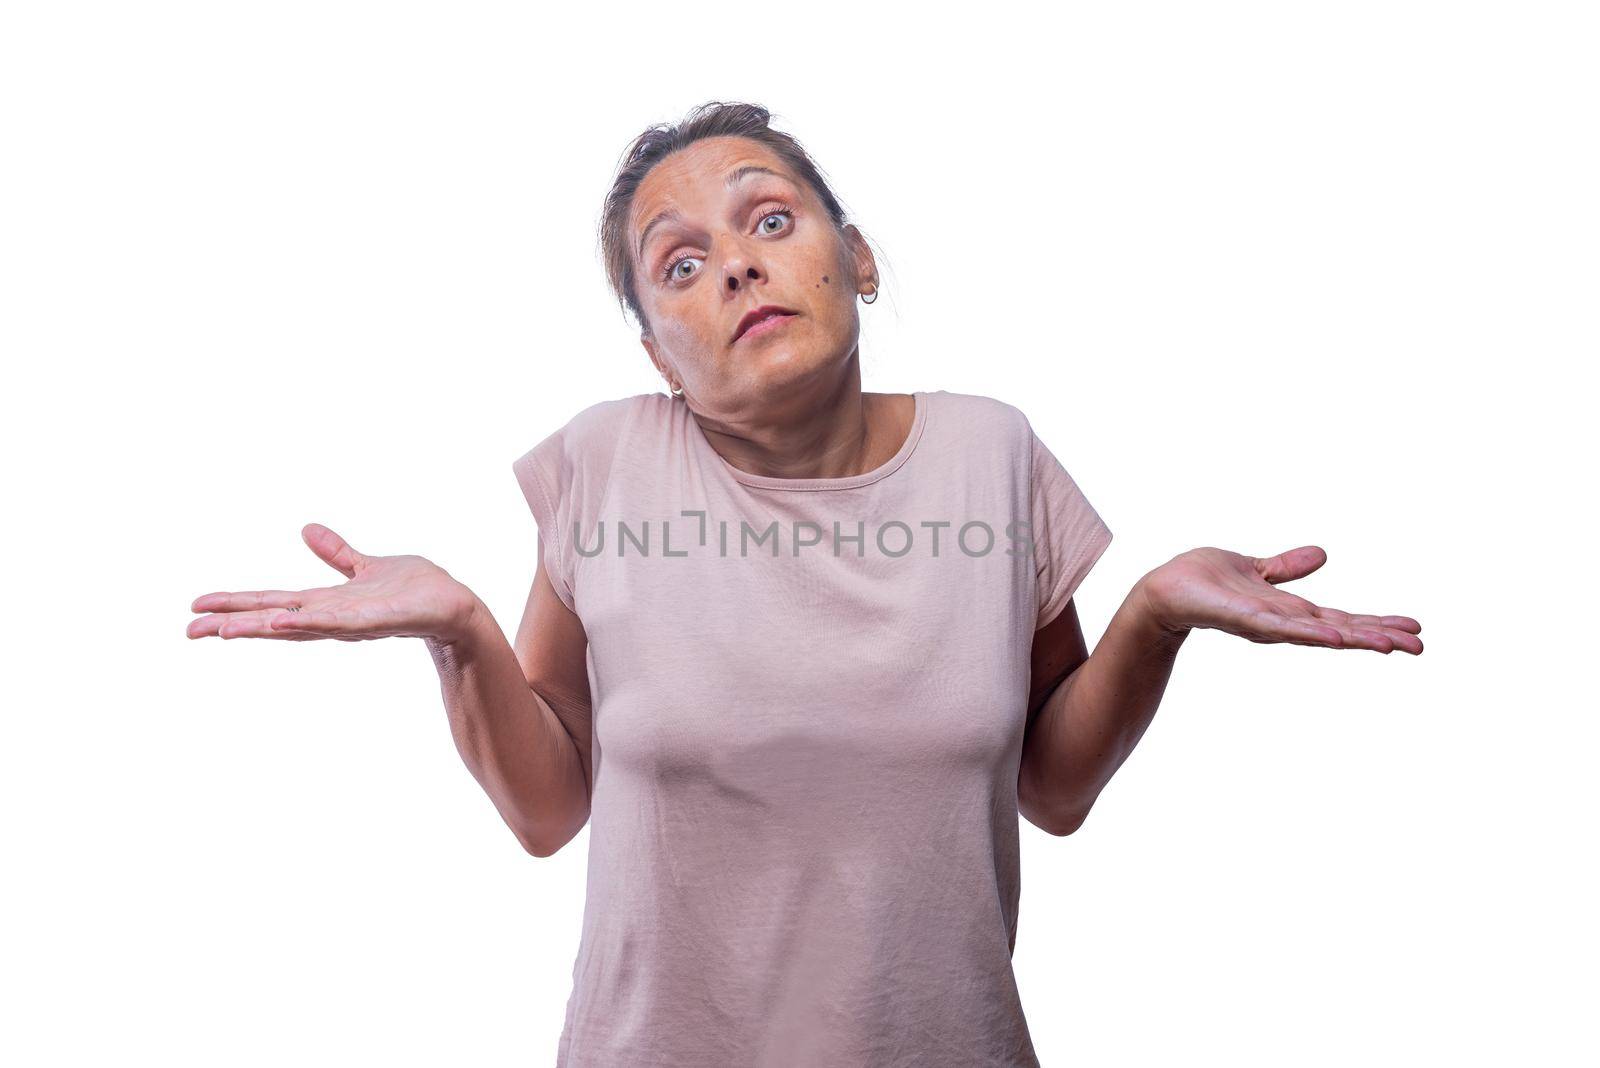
{"x": 655, "y": 358}
{"x": 861, "y": 258}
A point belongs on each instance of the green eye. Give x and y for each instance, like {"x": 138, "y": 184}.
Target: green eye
{"x": 675, "y": 268}
{"x": 767, "y": 219}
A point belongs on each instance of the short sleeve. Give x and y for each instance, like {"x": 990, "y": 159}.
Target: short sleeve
{"x": 563, "y": 479}
{"x": 540, "y": 473}
{"x": 1069, "y": 536}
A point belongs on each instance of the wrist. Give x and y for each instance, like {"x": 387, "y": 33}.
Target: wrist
{"x": 1151, "y": 612}
{"x": 463, "y": 623}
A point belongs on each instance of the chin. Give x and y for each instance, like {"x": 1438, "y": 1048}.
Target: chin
{"x": 782, "y": 368}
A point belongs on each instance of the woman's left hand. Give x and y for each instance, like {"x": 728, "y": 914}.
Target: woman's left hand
{"x": 1221, "y": 590}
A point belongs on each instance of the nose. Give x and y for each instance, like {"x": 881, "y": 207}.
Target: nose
{"x": 738, "y": 271}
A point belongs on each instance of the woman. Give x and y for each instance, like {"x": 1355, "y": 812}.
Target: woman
{"x": 801, "y": 653}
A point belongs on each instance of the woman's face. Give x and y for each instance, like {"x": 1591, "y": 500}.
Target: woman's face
{"x": 719, "y": 229}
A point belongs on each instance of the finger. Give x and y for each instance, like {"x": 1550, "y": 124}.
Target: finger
{"x": 1290, "y": 565}
{"x": 1334, "y": 635}
{"x": 1380, "y": 639}
{"x": 1402, "y": 640}
{"x": 1400, "y": 631}
{"x": 236, "y": 625}
{"x": 1297, "y": 629}
{"x": 247, "y": 600}
{"x": 332, "y": 549}
{"x": 326, "y": 622}
{"x": 1368, "y": 638}
{"x": 1334, "y": 615}
{"x": 1349, "y": 635}
{"x": 204, "y": 627}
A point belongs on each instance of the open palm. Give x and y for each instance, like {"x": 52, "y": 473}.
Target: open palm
{"x": 1221, "y": 590}
{"x": 385, "y": 597}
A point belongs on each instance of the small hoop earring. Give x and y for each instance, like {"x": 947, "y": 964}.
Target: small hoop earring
{"x": 677, "y": 391}
{"x": 868, "y": 298}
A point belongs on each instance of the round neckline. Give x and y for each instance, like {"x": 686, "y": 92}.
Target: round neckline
{"x": 919, "y": 419}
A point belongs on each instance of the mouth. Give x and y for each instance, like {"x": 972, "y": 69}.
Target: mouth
{"x": 762, "y": 320}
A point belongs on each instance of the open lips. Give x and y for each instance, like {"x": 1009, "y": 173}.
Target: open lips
{"x": 761, "y": 315}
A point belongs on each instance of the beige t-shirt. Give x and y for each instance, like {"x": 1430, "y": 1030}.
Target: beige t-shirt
{"x": 809, "y": 699}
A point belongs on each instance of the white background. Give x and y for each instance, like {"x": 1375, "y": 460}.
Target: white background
{"x": 1260, "y": 274}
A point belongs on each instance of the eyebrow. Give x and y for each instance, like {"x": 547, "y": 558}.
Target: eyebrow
{"x": 735, "y": 176}
{"x": 666, "y": 216}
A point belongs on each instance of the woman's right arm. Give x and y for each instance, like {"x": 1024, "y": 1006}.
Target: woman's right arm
{"x": 520, "y": 717}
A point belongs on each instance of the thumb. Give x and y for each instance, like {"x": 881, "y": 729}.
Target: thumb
{"x": 1293, "y": 564}
{"x": 332, "y": 549}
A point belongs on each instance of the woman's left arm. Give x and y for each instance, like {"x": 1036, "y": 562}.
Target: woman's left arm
{"x": 1091, "y": 722}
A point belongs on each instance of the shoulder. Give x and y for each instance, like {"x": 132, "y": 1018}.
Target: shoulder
{"x": 589, "y": 438}
{"x": 601, "y": 424}
{"x": 573, "y": 461}
{"x": 976, "y": 417}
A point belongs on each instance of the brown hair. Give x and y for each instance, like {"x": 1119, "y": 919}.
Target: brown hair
{"x": 711, "y": 119}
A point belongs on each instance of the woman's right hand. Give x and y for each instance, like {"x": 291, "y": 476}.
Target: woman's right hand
{"x": 386, "y": 597}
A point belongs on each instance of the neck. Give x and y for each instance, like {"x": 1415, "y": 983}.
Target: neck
{"x": 829, "y": 429}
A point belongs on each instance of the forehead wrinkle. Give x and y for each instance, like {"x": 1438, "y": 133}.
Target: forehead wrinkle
{"x": 734, "y": 177}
